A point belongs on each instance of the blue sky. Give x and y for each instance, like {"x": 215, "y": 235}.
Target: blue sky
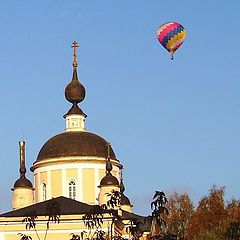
{"x": 174, "y": 125}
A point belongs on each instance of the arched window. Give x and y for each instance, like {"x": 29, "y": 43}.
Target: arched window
{"x": 44, "y": 192}
{"x": 72, "y": 189}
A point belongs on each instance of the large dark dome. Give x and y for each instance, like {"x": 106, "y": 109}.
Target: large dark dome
{"x": 69, "y": 144}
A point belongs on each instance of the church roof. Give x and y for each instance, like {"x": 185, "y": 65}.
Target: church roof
{"x": 67, "y": 206}
{"x": 70, "y": 144}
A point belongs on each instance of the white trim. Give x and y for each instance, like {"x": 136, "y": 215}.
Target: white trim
{"x": 73, "y": 165}
{"x": 75, "y": 158}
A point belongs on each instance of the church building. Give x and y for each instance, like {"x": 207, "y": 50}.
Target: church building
{"x": 76, "y": 170}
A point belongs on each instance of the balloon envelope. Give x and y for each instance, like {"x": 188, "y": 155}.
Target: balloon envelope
{"x": 171, "y": 36}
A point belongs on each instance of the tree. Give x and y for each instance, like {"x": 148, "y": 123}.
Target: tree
{"x": 233, "y": 210}
{"x": 158, "y": 206}
{"x": 210, "y": 215}
{"x": 180, "y": 209}
{"x": 233, "y": 231}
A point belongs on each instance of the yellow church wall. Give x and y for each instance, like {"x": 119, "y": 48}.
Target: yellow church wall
{"x": 88, "y": 177}
{"x": 72, "y": 173}
{"x": 56, "y": 183}
{"x": 9, "y": 228}
{"x": 43, "y": 177}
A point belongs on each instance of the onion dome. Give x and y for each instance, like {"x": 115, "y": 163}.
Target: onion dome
{"x": 109, "y": 179}
{"x": 22, "y": 182}
{"x": 75, "y": 91}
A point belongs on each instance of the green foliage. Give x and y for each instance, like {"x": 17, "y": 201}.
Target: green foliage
{"x": 82, "y": 236}
{"x": 158, "y": 206}
{"x": 99, "y": 235}
{"x": 215, "y": 234}
{"x": 94, "y": 219}
{"x": 75, "y": 236}
{"x": 233, "y": 231}
{"x": 24, "y": 237}
{"x": 30, "y": 220}
{"x": 114, "y": 199}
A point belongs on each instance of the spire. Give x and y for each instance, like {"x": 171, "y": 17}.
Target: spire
{"x": 109, "y": 179}
{"x": 22, "y": 182}
{"x": 22, "y": 188}
{"x": 22, "y": 169}
{"x": 75, "y": 91}
{"x": 108, "y": 162}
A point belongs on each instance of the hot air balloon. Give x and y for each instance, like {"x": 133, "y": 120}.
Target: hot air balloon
{"x": 171, "y": 36}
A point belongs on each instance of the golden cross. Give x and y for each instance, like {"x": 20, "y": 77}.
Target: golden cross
{"x": 75, "y": 46}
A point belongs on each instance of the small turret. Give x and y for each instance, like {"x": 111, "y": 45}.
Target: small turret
{"x": 23, "y": 189}
{"x": 108, "y": 182}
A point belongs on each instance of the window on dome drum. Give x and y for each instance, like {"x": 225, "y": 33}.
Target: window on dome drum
{"x": 44, "y": 192}
{"x": 72, "y": 189}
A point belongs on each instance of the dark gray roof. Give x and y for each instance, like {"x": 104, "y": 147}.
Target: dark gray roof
{"x": 70, "y": 207}
{"x": 67, "y": 207}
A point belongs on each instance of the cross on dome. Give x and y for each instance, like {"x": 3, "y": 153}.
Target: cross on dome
{"x": 75, "y": 46}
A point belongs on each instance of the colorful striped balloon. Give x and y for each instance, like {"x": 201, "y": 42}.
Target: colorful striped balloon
{"x": 171, "y": 35}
